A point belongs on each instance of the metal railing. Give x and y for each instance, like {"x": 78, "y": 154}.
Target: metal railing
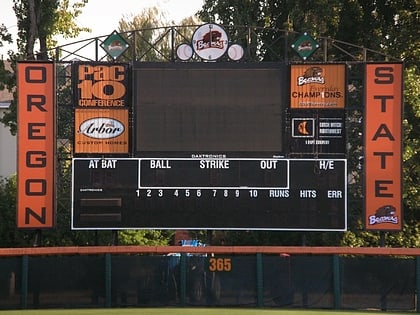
{"x": 259, "y": 44}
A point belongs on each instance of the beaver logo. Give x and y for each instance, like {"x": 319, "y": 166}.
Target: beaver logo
{"x": 305, "y": 46}
{"x": 384, "y": 214}
{"x": 313, "y": 72}
{"x": 211, "y": 39}
{"x": 311, "y": 75}
{"x": 115, "y": 45}
{"x": 385, "y": 211}
{"x": 213, "y": 36}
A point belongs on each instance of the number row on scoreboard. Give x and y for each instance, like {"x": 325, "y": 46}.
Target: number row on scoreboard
{"x": 199, "y": 193}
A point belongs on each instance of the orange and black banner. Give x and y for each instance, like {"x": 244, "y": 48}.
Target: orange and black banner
{"x": 36, "y": 145}
{"x": 101, "y": 131}
{"x": 320, "y": 86}
{"x": 383, "y": 146}
{"x": 101, "y": 85}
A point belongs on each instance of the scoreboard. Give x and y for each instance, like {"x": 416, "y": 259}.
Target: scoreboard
{"x": 210, "y": 192}
{"x": 209, "y": 145}
{"x": 214, "y": 145}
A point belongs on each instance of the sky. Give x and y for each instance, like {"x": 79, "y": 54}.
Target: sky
{"x": 102, "y": 16}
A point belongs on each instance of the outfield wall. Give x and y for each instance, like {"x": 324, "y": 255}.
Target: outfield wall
{"x": 145, "y": 276}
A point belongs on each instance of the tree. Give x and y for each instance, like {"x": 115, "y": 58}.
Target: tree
{"x": 150, "y": 44}
{"x": 151, "y": 35}
{"x": 9, "y": 235}
{"x": 145, "y": 237}
{"x": 42, "y": 20}
{"x": 5, "y": 36}
{"x": 38, "y": 19}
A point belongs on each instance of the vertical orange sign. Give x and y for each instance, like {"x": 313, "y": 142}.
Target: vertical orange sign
{"x": 383, "y": 142}
{"x": 36, "y": 137}
{"x": 317, "y": 86}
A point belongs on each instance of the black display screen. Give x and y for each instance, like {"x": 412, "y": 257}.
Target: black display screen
{"x": 196, "y": 193}
{"x": 234, "y": 109}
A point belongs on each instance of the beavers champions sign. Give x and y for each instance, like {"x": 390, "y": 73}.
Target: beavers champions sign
{"x": 320, "y": 86}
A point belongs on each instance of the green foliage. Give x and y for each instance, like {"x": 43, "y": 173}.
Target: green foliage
{"x": 42, "y": 20}
{"x": 5, "y": 36}
{"x": 391, "y": 27}
{"x": 147, "y": 21}
{"x": 144, "y": 237}
{"x": 233, "y": 12}
{"x": 152, "y": 35}
{"x": 8, "y": 80}
{"x": 9, "y": 235}
{"x": 411, "y": 149}
{"x": 58, "y": 18}
{"x": 65, "y": 20}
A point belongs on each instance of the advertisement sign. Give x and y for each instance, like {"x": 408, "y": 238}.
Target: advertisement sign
{"x": 320, "y": 86}
{"x": 318, "y": 132}
{"x": 101, "y": 131}
{"x": 36, "y": 150}
{"x": 383, "y": 142}
{"x": 210, "y": 41}
{"x": 101, "y": 85}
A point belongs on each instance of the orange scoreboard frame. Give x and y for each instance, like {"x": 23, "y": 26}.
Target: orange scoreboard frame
{"x": 383, "y": 146}
{"x": 36, "y": 145}
{"x": 37, "y": 134}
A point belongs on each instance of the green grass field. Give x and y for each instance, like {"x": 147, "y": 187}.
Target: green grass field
{"x": 193, "y": 311}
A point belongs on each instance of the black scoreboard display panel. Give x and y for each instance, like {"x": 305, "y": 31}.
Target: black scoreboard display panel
{"x": 192, "y": 108}
{"x": 209, "y": 192}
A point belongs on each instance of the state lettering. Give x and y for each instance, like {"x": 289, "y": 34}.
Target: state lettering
{"x": 383, "y": 156}
{"x": 383, "y": 132}
{"x": 383, "y": 99}
{"x": 384, "y": 75}
{"x": 383, "y": 137}
{"x": 383, "y": 186}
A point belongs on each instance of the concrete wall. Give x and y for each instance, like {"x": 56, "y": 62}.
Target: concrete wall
{"x": 8, "y": 149}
